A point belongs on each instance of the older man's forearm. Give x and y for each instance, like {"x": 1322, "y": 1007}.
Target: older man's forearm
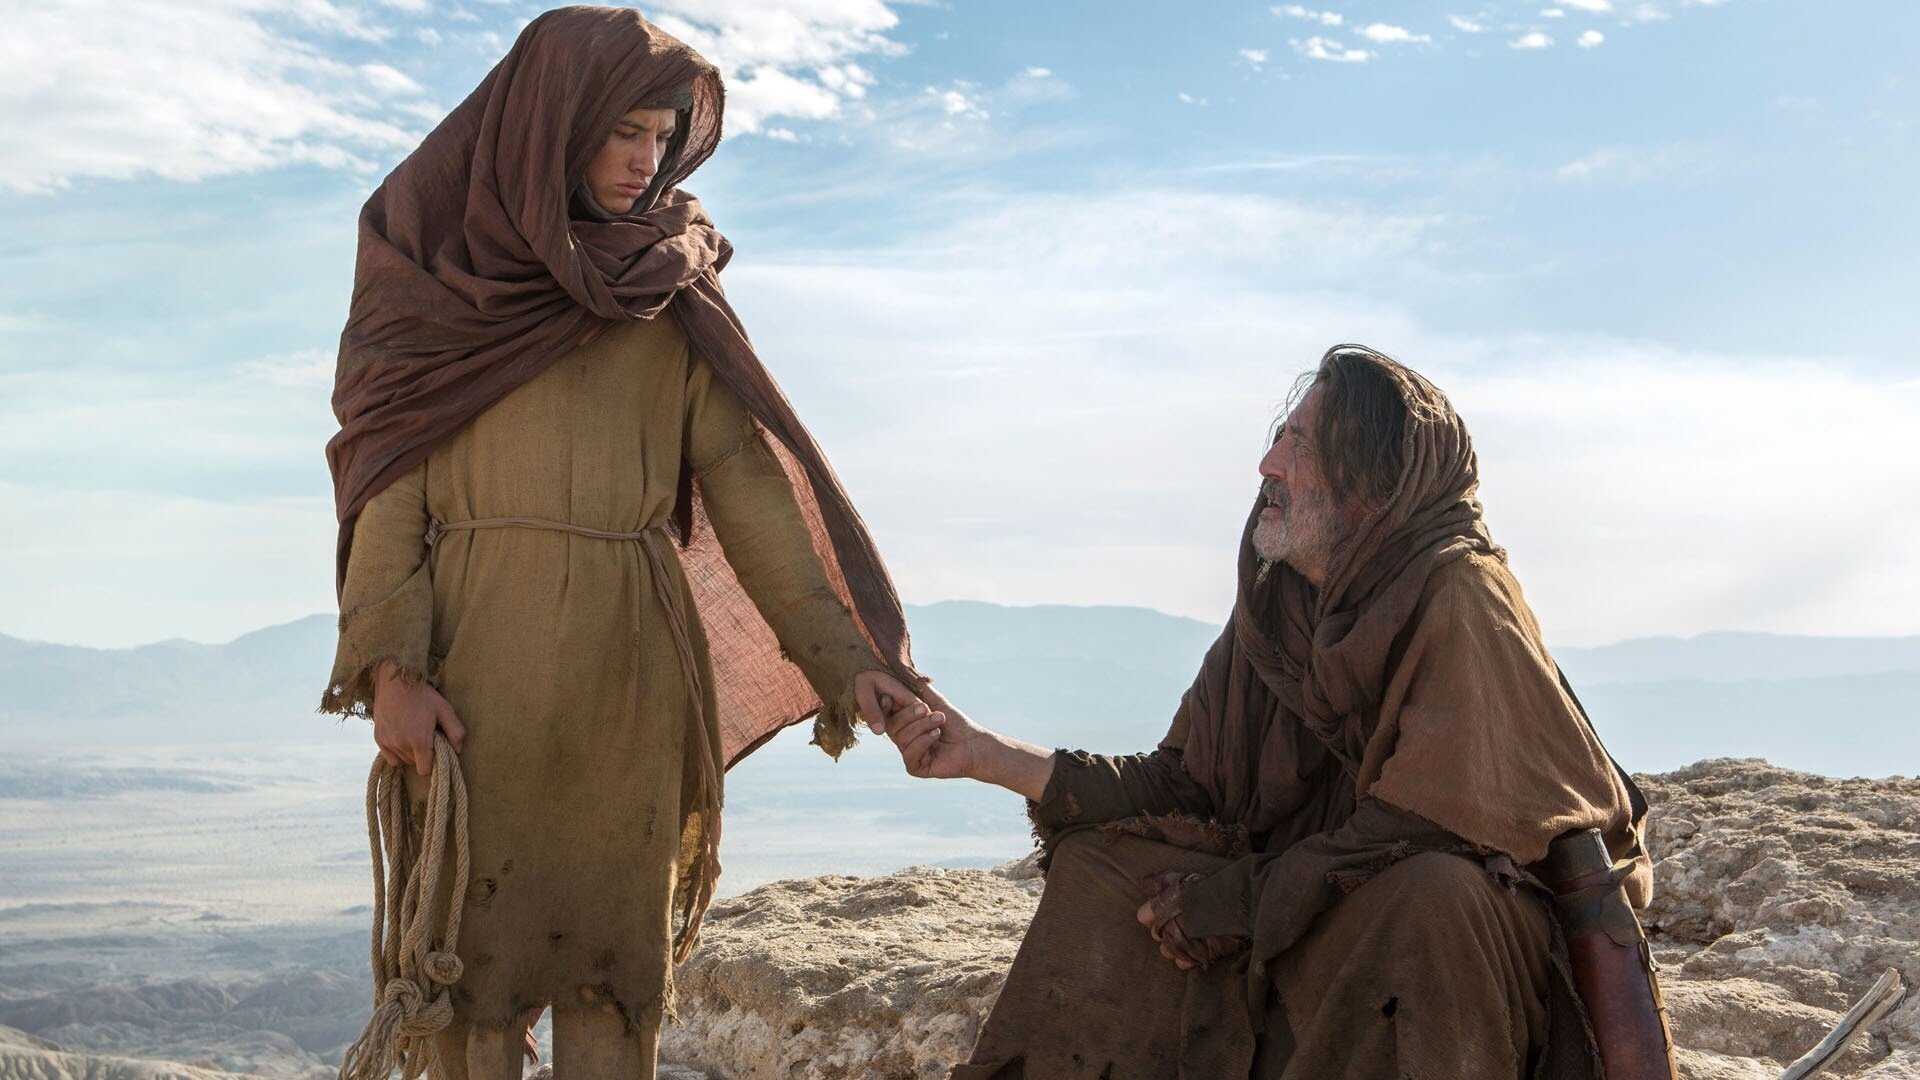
{"x": 1020, "y": 767}
{"x": 1087, "y": 789}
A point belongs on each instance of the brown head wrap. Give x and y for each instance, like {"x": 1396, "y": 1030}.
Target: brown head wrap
{"x": 472, "y": 278}
{"x": 1289, "y": 704}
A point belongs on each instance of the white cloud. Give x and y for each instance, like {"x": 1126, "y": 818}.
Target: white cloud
{"x": 390, "y": 81}
{"x": 1783, "y": 535}
{"x": 1634, "y": 165}
{"x": 1533, "y": 40}
{"x": 766, "y": 93}
{"x": 848, "y": 80}
{"x": 137, "y": 88}
{"x": 1188, "y": 99}
{"x": 1255, "y": 57}
{"x": 1591, "y": 39}
{"x": 1148, "y": 427}
{"x": 1465, "y": 25}
{"x": 955, "y": 120}
{"x": 781, "y": 58}
{"x": 304, "y": 368}
{"x": 1641, "y": 489}
{"x": 1319, "y": 48}
{"x": 1384, "y": 33}
{"x": 1589, "y": 5}
{"x": 1552, "y": 13}
{"x": 1295, "y": 11}
{"x": 958, "y": 101}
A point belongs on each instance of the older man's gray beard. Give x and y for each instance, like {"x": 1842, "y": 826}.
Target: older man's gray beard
{"x": 1302, "y": 535}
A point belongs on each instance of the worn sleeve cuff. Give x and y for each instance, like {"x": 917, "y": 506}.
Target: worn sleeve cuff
{"x": 397, "y": 628}
{"x": 1220, "y": 904}
{"x": 1059, "y": 803}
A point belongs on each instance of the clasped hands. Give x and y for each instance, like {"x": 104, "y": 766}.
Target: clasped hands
{"x": 937, "y": 740}
{"x": 1163, "y": 916}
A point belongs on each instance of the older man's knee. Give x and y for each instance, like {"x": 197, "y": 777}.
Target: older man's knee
{"x": 1427, "y": 894}
{"x": 1435, "y": 873}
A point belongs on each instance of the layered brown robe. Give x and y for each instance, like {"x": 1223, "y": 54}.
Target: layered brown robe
{"x": 559, "y": 655}
{"x": 472, "y": 277}
{"x": 680, "y": 574}
{"x": 1409, "y": 708}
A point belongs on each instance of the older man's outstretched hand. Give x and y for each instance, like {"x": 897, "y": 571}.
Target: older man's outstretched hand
{"x": 938, "y": 741}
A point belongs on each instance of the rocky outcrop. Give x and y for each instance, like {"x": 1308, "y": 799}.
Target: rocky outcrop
{"x": 851, "y": 977}
{"x": 1780, "y": 896}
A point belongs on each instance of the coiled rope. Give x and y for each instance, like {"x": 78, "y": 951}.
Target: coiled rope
{"x": 414, "y": 965}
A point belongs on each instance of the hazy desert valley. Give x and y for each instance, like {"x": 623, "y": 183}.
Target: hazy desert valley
{"x": 183, "y": 865}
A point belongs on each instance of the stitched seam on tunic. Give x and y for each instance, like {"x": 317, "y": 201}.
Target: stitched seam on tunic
{"x": 748, "y": 438}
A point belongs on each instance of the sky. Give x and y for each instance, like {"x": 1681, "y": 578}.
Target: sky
{"x": 1039, "y": 277}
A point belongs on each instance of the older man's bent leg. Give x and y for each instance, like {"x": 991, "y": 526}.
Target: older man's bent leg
{"x": 1431, "y": 970}
{"x": 1089, "y": 994}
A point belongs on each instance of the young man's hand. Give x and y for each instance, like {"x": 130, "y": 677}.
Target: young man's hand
{"x": 405, "y": 716}
{"x": 936, "y": 743}
{"x": 880, "y": 695}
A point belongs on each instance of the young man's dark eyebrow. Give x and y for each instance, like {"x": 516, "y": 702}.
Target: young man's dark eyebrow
{"x": 628, "y": 127}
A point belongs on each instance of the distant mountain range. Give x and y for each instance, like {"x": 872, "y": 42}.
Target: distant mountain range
{"x": 1106, "y": 678}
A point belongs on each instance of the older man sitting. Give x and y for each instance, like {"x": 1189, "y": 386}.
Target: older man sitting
{"x": 1337, "y": 849}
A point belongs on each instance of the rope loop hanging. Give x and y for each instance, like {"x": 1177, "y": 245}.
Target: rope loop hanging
{"x": 413, "y": 954}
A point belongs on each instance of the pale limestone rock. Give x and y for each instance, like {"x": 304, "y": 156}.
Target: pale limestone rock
{"x": 1779, "y": 898}
{"x": 851, "y": 977}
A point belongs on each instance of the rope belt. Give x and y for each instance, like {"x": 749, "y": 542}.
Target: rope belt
{"x": 653, "y": 541}
{"x": 436, "y": 528}
{"x": 414, "y": 961}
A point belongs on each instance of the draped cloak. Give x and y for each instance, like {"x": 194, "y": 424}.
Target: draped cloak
{"x": 471, "y": 279}
{"x": 1460, "y": 719}
{"x": 1406, "y": 706}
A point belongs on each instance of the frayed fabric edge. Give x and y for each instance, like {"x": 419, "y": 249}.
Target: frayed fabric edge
{"x": 353, "y": 696}
{"x": 833, "y": 725}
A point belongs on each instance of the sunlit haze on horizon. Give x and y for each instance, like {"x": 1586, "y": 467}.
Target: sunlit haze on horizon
{"x": 1038, "y": 277}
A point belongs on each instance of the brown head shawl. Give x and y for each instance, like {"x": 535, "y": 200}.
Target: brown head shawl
{"x": 472, "y": 278}
{"x": 1406, "y": 706}
{"x": 1492, "y": 749}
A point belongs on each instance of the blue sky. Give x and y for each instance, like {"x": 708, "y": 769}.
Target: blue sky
{"x": 1038, "y": 275}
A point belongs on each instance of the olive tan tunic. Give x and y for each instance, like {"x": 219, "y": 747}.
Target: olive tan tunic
{"x": 560, "y": 658}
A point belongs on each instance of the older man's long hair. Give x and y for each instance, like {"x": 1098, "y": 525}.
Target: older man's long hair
{"x": 1360, "y": 434}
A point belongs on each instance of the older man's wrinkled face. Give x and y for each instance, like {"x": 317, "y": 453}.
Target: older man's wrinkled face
{"x": 1301, "y": 523}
